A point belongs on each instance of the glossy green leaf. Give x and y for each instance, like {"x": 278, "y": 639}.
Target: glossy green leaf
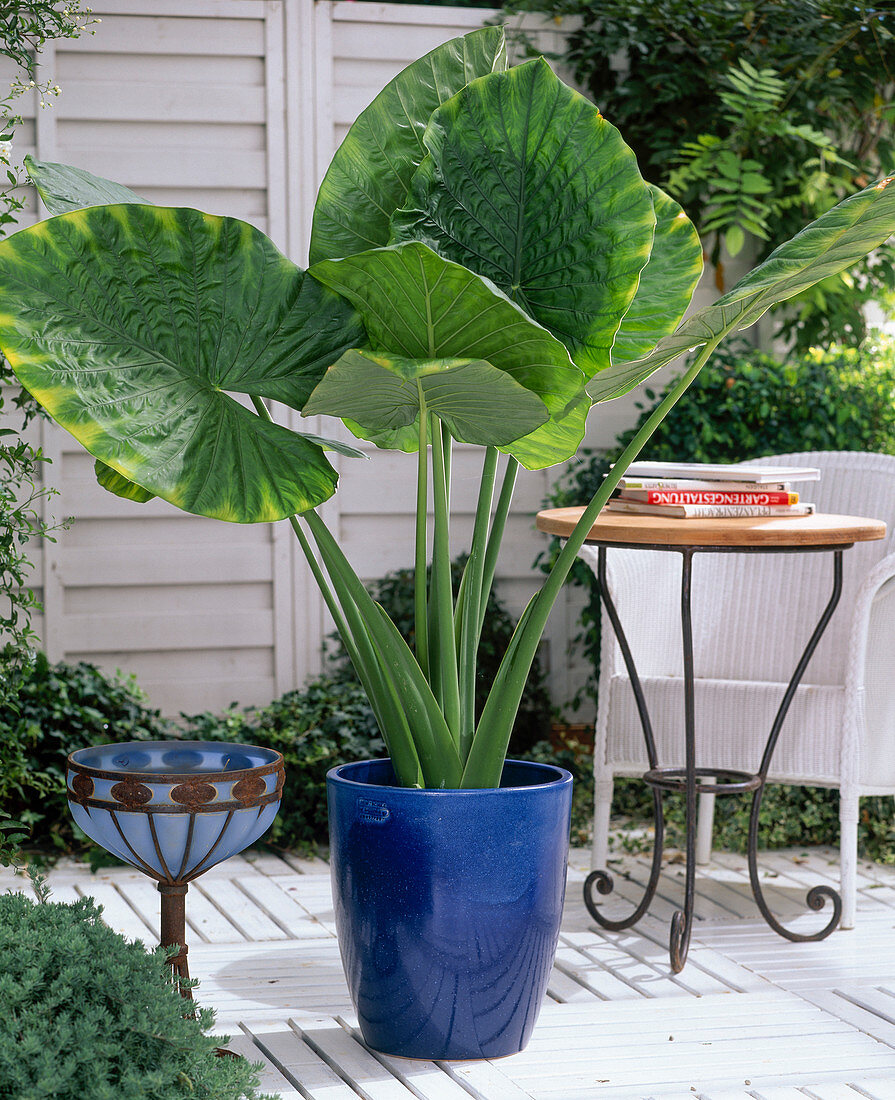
{"x": 371, "y": 171}
{"x": 387, "y": 392}
{"x": 833, "y": 242}
{"x": 63, "y": 187}
{"x": 130, "y": 324}
{"x": 119, "y": 485}
{"x": 416, "y": 305}
{"x": 528, "y": 185}
{"x": 666, "y": 283}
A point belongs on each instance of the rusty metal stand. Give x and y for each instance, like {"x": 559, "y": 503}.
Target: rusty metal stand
{"x": 173, "y": 931}
{"x": 691, "y": 779}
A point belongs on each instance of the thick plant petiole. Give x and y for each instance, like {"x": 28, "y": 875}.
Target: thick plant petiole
{"x": 498, "y": 525}
{"x": 485, "y": 761}
{"x": 442, "y": 591}
{"x": 471, "y": 602}
{"x": 431, "y": 736}
{"x": 420, "y": 601}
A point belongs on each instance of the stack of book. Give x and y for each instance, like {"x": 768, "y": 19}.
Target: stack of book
{"x": 691, "y": 490}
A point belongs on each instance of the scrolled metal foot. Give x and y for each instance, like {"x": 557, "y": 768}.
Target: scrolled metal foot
{"x": 817, "y": 895}
{"x": 679, "y": 940}
{"x": 816, "y": 899}
{"x": 601, "y": 882}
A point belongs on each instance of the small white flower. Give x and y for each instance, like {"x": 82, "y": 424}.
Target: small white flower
{"x": 5, "y": 150}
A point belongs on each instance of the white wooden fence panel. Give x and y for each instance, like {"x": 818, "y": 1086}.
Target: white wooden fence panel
{"x": 235, "y": 107}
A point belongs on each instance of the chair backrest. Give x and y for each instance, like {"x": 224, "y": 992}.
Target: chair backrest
{"x": 753, "y": 614}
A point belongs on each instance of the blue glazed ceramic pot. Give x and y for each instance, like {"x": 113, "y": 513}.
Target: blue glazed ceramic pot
{"x": 448, "y": 905}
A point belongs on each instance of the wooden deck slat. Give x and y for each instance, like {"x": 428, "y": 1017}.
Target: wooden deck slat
{"x": 240, "y": 910}
{"x": 352, "y": 1061}
{"x": 795, "y": 1021}
{"x": 299, "y": 1065}
{"x": 275, "y": 897}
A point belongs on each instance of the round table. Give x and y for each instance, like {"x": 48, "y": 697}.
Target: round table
{"x": 799, "y": 534}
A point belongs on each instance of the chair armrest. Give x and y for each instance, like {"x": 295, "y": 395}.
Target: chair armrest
{"x": 869, "y": 717}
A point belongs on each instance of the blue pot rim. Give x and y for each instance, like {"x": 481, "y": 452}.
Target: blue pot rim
{"x": 273, "y": 762}
{"x": 560, "y": 778}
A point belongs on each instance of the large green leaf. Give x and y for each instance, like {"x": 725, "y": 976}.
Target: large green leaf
{"x": 833, "y": 242}
{"x": 130, "y": 324}
{"x": 416, "y": 305}
{"x": 666, "y": 283}
{"x": 63, "y": 187}
{"x": 386, "y": 392}
{"x": 528, "y": 185}
{"x": 370, "y": 173}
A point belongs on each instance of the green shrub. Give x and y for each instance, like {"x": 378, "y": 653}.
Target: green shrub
{"x": 755, "y": 115}
{"x": 790, "y": 816}
{"x": 88, "y": 1016}
{"x": 325, "y": 723}
{"x": 60, "y": 708}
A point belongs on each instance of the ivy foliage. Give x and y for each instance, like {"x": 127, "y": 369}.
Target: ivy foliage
{"x": 755, "y": 115}
{"x": 325, "y": 723}
{"x": 89, "y": 1016}
{"x": 60, "y": 708}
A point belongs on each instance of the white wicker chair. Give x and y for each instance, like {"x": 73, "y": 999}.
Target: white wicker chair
{"x": 752, "y": 616}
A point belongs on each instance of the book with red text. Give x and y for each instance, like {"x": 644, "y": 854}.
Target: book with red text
{"x": 708, "y": 511}
{"x": 709, "y": 496}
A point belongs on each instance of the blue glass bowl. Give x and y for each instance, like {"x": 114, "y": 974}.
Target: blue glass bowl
{"x": 173, "y": 809}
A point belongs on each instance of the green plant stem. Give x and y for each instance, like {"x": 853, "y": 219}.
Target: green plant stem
{"x": 431, "y": 741}
{"x": 471, "y": 599}
{"x": 443, "y": 604}
{"x": 485, "y": 761}
{"x": 421, "y": 610}
{"x": 498, "y": 525}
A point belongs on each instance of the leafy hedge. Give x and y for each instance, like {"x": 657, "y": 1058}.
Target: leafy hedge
{"x": 88, "y": 1016}
{"x": 59, "y": 708}
{"x": 755, "y": 115}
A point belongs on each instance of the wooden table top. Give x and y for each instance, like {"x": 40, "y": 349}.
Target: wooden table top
{"x": 780, "y": 531}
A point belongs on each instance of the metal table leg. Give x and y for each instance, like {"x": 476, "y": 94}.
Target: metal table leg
{"x": 818, "y": 895}
{"x": 687, "y": 779}
{"x": 600, "y": 880}
{"x": 682, "y": 920}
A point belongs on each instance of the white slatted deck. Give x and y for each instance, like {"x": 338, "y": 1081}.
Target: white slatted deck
{"x": 750, "y": 1016}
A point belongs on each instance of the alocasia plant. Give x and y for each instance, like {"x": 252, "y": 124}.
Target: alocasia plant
{"x": 487, "y": 263}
